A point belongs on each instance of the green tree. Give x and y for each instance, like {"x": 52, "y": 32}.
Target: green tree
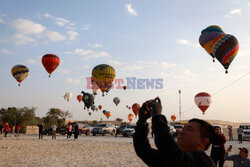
{"x": 64, "y": 115}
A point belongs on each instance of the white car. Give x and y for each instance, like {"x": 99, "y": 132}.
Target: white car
{"x": 246, "y": 132}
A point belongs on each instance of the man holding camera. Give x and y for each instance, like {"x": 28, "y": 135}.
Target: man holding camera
{"x": 189, "y": 149}
{"x": 239, "y": 160}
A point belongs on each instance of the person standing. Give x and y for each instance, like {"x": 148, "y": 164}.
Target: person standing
{"x": 230, "y": 132}
{"x": 240, "y": 131}
{"x": 17, "y": 130}
{"x": 54, "y": 131}
{"x": 218, "y": 147}
{"x": 69, "y": 129}
{"x": 239, "y": 160}
{"x": 6, "y": 129}
{"x": 1, "y": 128}
{"x": 76, "y": 133}
{"x": 40, "y": 126}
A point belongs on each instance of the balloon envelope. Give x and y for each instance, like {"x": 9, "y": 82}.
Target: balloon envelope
{"x": 88, "y": 99}
{"x": 203, "y": 101}
{"x": 225, "y": 48}
{"x": 19, "y": 72}
{"x": 173, "y": 117}
{"x": 116, "y": 100}
{"x": 79, "y": 98}
{"x": 100, "y": 107}
{"x": 103, "y": 75}
{"x": 130, "y": 117}
{"x": 67, "y": 96}
{"x": 108, "y": 114}
{"x": 50, "y": 62}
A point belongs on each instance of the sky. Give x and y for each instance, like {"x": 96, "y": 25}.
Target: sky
{"x": 140, "y": 38}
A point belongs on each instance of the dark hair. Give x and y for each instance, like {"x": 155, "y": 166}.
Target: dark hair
{"x": 206, "y": 130}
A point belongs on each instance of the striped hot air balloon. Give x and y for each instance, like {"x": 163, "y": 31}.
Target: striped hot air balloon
{"x": 225, "y": 48}
{"x": 19, "y": 72}
{"x": 50, "y": 62}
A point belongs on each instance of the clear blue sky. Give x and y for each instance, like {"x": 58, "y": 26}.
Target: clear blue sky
{"x": 143, "y": 39}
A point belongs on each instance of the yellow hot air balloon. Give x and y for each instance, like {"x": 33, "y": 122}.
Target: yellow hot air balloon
{"x": 20, "y": 72}
{"x": 103, "y": 75}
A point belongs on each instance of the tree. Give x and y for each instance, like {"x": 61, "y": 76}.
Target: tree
{"x": 64, "y": 115}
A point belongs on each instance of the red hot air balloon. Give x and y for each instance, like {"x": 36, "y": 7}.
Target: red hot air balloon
{"x": 135, "y": 108}
{"x": 79, "y": 98}
{"x": 129, "y": 108}
{"x": 203, "y": 101}
{"x": 130, "y": 117}
{"x": 50, "y": 62}
{"x": 124, "y": 87}
{"x": 173, "y": 117}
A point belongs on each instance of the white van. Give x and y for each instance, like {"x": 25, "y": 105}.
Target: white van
{"x": 246, "y": 132}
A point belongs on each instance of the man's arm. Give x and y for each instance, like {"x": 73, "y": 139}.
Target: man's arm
{"x": 142, "y": 146}
{"x": 229, "y": 158}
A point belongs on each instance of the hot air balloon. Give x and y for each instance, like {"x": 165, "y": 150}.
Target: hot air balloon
{"x": 124, "y": 87}
{"x": 173, "y": 117}
{"x": 79, "y": 98}
{"x": 96, "y": 109}
{"x": 89, "y": 113}
{"x": 135, "y": 108}
{"x": 88, "y": 100}
{"x": 104, "y": 111}
{"x": 108, "y": 114}
{"x": 203, "y": 101}
{"x": 116, "y": 100}
{"x": 100, "y": 107}
{"x": 103, "y": 75}
{"x": 130, "y": 117}
{"x": 19, "y": 72}
{"x": 50, "y": 62}
{"x": 225, "y": 48}
{"x": 93, "y": 107}
{"x": 207, "y": 37}
{"x": 67, "y": 96}
{"x": 129, "y": 108}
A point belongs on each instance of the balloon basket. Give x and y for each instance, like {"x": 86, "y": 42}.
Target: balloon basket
{"x": 226, "y": 72}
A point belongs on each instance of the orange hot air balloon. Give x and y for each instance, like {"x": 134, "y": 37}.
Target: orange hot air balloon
{"x": 130, "y": 117}
{"x": 79, "y": 98}
{"x": 100, "y": 107}
{"x": 173, "y": 117}
{"x": 107, "y": 114}
{"x": 135, "y": 108}
{"x": 203, "y": 101}
{"x": 50, "y": 62}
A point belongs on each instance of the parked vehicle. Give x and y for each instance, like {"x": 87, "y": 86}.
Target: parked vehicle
{"x": 119, "y": 130}
{"x": 104, "y": 128}
{"x": 172, "y": 130}
{"x": 128, "y": 131}
{"x": 246, "y": 132}
{"x": 85, "y": 129}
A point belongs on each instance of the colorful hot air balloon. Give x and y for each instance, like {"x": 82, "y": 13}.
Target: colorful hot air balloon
{"x": 79, "y": 98}
{"x": 67, "y": 96}
{"x": 103, "y": 75}
{"x": 124, "y": 87}
{"x": 100, "y": 107}
{"x": 50, "y": 62}
{"x": 108, "y": 114}
{"x": 203, "y": 101}
{"x": 130, "y": 117}
{"x": 135, "y": 108}
{"x": 225, "y": 48}
{"x": 88, "y": 100}
{"x": 173, "y": 117}
{"x": 116, "y": 100}
{"x": 19, "y": 72}
{"x": 207, "y": 37}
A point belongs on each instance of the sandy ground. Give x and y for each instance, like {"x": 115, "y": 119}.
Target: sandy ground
{"x": 87, "y": 151}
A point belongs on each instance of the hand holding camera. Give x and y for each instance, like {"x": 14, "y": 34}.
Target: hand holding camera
{"x": 150, "y": 108}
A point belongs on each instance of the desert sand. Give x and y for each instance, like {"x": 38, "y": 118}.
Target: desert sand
{"x": 87, "y": 151}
